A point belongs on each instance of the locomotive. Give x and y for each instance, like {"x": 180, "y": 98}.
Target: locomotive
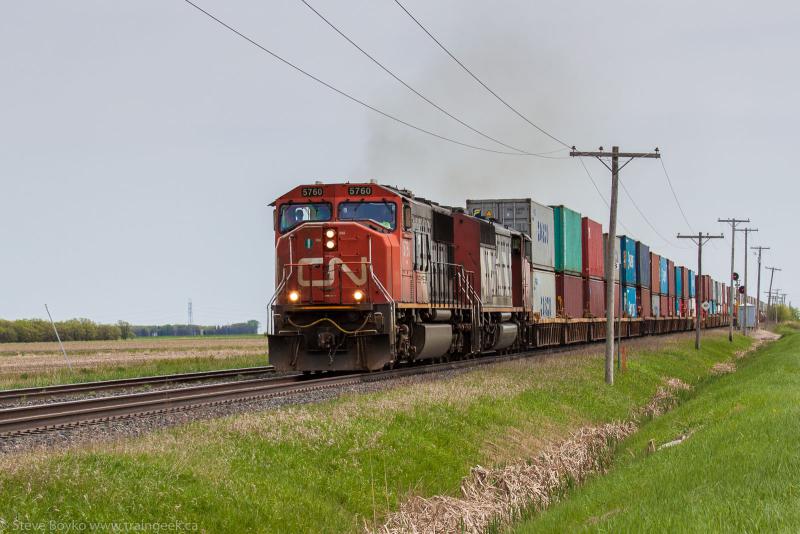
{"x": 369, "y": 276}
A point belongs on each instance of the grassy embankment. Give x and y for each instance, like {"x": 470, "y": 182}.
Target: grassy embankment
{"x": 738, "y": 471}
{"x": 41, "y": 364}
{"x": 340, "y": 465}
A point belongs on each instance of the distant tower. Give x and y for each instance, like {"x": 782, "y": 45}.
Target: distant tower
{"x": 191, "y": 319}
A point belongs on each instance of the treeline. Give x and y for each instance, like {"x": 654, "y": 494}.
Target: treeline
{"x": 235, "y": 329}
{"x": 32, "y": 330}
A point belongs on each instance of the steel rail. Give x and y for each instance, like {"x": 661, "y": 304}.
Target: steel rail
{"x": 121, "y": 383}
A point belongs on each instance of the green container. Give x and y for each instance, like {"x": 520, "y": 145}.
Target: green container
{"x": 569, "y": 254}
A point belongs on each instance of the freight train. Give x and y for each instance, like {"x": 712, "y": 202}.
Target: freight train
{"x": 369, "y": 276}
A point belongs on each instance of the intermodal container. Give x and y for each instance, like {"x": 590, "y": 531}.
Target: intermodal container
{"x": 665, "y": 311}
{"x": 663, "y": 270}
{"x": 678, "y": 281}
{"x": 655, "y": 278}
{"x": 592, "y": 242}
{"x": 544, "y": 293}
{"x": 630, "y": 307}
{"x": 671, "y": 277}
{"x": 655, "y": 304}
{"x": 569, "y": 254}
{"x": 691, "y": 284}
{"x": 685, "y": 283}
{"x": 643, "y": 265}
{"x": 692, "y": 307}
{"x": 594, "y": 297}
{"x": 645, "y": 303}
{"x": 526, "y": 216}
{"x": 569, "y": 295}
{"x": 627, "y": 270}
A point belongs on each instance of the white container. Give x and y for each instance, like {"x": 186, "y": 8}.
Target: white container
{"x": 747, "y": 311}
{"x": 544, "y": 293}
{"x": 526, "y": 216}
{"x": 655, "y": 305}
{"x": 692, "y": 307}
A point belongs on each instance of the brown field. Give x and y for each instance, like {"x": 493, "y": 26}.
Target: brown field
{"x": 27, "y": 357}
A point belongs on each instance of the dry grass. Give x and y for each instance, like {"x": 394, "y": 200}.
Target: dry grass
{"x": 150, "y": 344}
{"x": 723, "y": 368}
{"x": 664, "y": 398}
{"x": 497, "y": 496}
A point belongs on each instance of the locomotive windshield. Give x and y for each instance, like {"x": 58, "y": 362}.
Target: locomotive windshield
{"x": 294, "y": 214}
{"x": 382, "y": 213}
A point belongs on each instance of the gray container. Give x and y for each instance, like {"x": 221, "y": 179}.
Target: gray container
{"x": 544, "y": 293}
{"x": 526, "y": 216}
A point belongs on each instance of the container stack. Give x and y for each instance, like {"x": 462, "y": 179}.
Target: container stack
{"x": 627, "y": 276}
{"x": 671, "y": 292}
{"x": 663, "y": 276}
{"x": 678, "y": 291}
{"x": 568, "y": 262}
{"x": 617, "y": 263}
{"x": 655, "y": 284}
{"x": 536, "y": 221}
{"x": 643, "y": 280}
{"x": 593, "y": 268}
{"x": 685, "y": 292}
{"x": 692, "y": 305}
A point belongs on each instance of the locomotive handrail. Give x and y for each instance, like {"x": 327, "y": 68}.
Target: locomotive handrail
{"x": 279, "y": 288}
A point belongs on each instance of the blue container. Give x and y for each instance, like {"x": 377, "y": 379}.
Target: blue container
{"x": 691, "y": 284}
{"x": 677, "y": 307}
{"x": 629, "y": 301}
{"x": 642, "y": 265}
{"x": 627, "y": 272}
{"x": 679, "y": 281}
{"x": 663, "y": 280}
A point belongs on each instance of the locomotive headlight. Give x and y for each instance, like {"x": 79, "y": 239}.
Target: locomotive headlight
{"x": 294, "y": 296}
{"x": 330, "y": 244}
{"x": 358, "y": 294}
{"x": 330, "y": 233}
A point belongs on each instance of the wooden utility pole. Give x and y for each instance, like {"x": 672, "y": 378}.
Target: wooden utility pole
{"x": 769, "y": 293}
{"x": 746, "y": 233}
{"x": 615, "y": 167}
{"x": 758, "y": 286}
{"x": 699, "y": 240}
{"x": 733, "y": 222}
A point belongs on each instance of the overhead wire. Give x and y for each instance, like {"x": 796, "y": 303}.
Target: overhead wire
{"x": 418, "y": 93}
{"x": 475, "y": 77}
{"x": 635, "y": 205}
{"x": 675, "y": 195}
{"x": 342, "y": 92}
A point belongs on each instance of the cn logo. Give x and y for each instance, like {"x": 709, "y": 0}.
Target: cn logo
{"x": 359, "y": 280}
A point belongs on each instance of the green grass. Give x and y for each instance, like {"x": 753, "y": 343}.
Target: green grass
{"x": 340, "y": 465}
{"x": 129, "y": 370}
{"x": 738, "y": 472}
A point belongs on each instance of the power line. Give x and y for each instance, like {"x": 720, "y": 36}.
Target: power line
{"x": 635, "y": 205}
{"x": 603, "y": 198}
{"x": 675, "y": 196}
{"x": 498, "y": 97}
{"x": 343, "y": 93}
{"x": 415, "y": 91}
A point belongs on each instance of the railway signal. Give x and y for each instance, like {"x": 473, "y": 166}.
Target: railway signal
{"x": 615, "y": 154}
{"x": 699, "y": 239}
{"x": 733, "y": 222}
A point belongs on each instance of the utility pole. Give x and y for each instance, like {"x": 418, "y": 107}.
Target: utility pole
{"x": 758, "y": 286}
{"x": 775, "y": 298}
{"x": 746, "y": 233}
{"x": 615, "y": 167}
{"x": 769, "y": 293}
{"x": 733, "y": 222}
{"x": 699, "y": 240}
{"x": 191, "y": 319}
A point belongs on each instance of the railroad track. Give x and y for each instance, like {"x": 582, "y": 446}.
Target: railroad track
{"x": 57, "y": 415}
{"x": 44, "y": 392}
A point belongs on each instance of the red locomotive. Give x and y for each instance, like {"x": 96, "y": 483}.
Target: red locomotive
{"x": 368, "y": 275}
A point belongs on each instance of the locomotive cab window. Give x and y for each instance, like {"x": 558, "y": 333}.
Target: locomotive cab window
{"x": 295, "y": 214}
{"x": 381, "y": 213}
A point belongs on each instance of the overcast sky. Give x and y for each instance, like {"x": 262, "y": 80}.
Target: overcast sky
{"x": 141, "y": 143}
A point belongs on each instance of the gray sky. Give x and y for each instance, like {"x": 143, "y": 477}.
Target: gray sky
{"x": 140, "y": 143}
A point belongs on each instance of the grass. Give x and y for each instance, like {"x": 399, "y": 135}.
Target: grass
{"x": 339, "y": 465}
{"x": 738, "y": 471}
{"x": 63, "y": 375}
